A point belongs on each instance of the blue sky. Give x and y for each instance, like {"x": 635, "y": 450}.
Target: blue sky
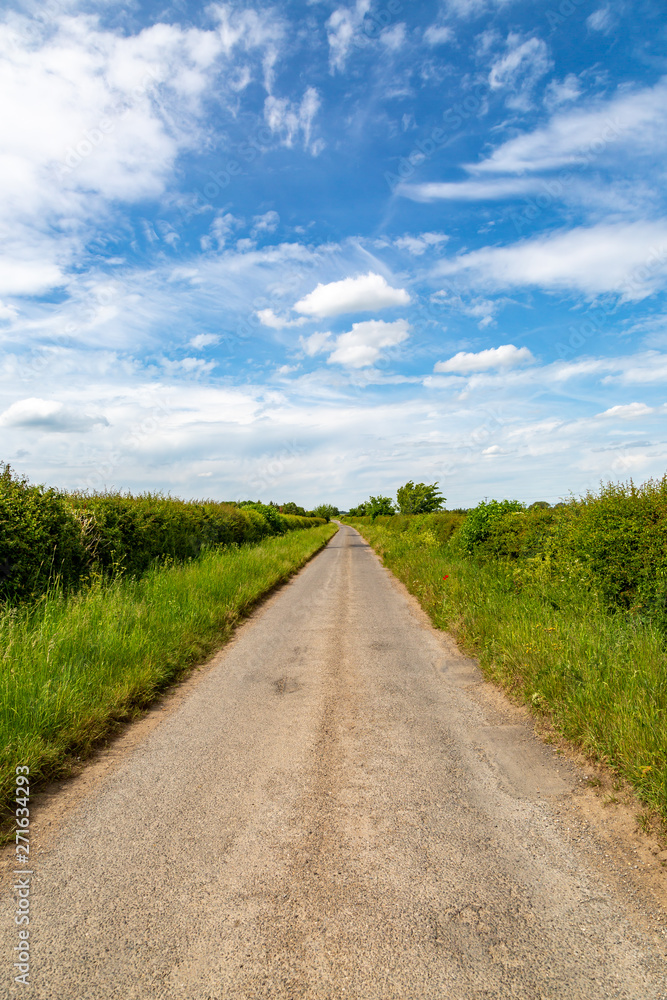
{"x": 310, "y": 251}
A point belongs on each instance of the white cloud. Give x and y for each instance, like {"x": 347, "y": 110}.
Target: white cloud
{"x": 220, "y": 230}
{"x": 188, "y": 366}
{"x": 393, "y": 38}
{"x": 474, "y": 190}
{"x": 627, "y": 259}
{"x": 48, "y": 415}
{"x": 362, "y": 294}
{"x": 316, "y": 343}
{"x": 505, "y": 356}
{"x": 109, "y": 114}
{"x": 290, "y": 120}
{"x": 628, "y": 411}
{"x": 638, "y": 120}
{"x": 438, "y": 34}
{"x": 601, "y": 20}
{"x": 342, "y": 27}
{"x": 362, "y": 345}
{"x": 8, "y": 313}
{"x": 473, "y": 8}
{"x": 267, "y": 317}
{"x": 203, "y": 340}
{"x": 267, "y": 223}
{"x": 562, "y": 92}
{"x": 519, "y": 69}
{"x": 416, "y": 245}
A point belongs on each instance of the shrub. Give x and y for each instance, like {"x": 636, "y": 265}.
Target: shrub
{"x": 40, "y": 540}
{"x": 480, "y": 519}
{"x": 48, "y": 536}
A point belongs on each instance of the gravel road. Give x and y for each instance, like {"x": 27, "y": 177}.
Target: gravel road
{"x": 339, "y": 808}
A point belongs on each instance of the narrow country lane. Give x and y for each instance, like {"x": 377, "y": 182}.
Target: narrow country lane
{"x": 340, "y": 807}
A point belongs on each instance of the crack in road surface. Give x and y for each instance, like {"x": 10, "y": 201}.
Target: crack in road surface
{"x": 338, "y": 808}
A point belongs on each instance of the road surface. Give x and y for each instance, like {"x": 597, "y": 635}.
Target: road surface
{"x": 339, "y": 808}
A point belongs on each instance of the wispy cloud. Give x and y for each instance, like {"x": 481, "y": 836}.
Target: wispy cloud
{"x": 637, "y": 120}
{"x": 629, "y": 260}
{"x": 518, "y": 69}
{"x": 290, "y": 120}
{"x": 342, "y": 26}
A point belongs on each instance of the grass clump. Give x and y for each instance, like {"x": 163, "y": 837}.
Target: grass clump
{"x": 531, "y": 605}
{"x": 72, "y": 667}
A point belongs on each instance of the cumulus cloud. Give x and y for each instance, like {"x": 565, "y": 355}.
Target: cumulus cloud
{"x": 359, "y": 347}
{"x": 48, "y": 415}
{"x": 628, "y": 260}
{"x": 505, "y": 356}
{"x": 362, "y": 345}
{"x": 362, "y": 294}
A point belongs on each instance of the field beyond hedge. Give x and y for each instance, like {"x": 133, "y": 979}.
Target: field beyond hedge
{"x": 72, "y": 667}
{"x": 565, "y": 607}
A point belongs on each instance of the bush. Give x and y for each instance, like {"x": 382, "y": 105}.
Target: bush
{"x": 480, "y": 520}
{"x": 40, "y": 541}
{"x": 47, "y": 536}
{"x": 521, "y": 534}
{"x": 621, "y": 535}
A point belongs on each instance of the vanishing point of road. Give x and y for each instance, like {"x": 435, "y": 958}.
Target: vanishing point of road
{"x": 338, "y": 807}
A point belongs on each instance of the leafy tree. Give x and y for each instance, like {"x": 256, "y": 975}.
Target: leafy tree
{"x": 358, "y": 511}
{"x": 326, "y": 510}
{"x": 292, "y": 508}
{"x": 379, "y": 505}
{"x": 419, "y": 499}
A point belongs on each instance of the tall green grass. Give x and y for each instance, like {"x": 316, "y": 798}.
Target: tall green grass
{"x": 72, "y": 667}
{"x": 548, "y": 637}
